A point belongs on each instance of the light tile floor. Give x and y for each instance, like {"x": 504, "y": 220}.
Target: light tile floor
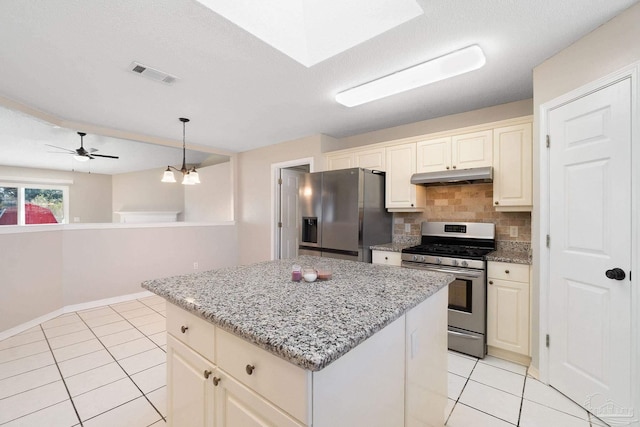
{"x": 106, "y": 367}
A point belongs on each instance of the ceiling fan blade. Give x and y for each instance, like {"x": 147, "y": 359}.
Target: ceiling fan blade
{"x": 61, "y": 148}
{"x": 92, "y": 150}
{"x": 104, "y": 155}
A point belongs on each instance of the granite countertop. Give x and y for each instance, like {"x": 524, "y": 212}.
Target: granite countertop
{"x": 307, "y": 324}
{"x": 390, "y": 247}
{"x": 513, "y": 252}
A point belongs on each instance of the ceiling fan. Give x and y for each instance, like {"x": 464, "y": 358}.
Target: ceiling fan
{"x": 81, "y": 154}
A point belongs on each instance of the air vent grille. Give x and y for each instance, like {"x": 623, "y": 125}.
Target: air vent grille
{"x": 152, "y": 73}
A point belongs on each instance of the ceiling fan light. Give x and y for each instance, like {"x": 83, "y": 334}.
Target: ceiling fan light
{"x": 168, "y": 176}
{"x": 81, "y": 158}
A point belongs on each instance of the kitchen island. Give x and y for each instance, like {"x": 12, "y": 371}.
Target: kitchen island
{"x": 247, "y": 346}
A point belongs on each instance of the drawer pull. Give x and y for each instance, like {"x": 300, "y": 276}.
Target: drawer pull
{"x": 506, "y": 271}
{"x": 184, "y": 329}
{"x": 216, "y": 381}
{"x": 386, "y": 257}
{"x": 249, "y": 369}
{"x": 491, "y": 282}
{"x": 207, "y": 373}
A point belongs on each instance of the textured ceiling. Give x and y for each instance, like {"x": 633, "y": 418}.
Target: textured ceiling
{"x": 70, "y": 59}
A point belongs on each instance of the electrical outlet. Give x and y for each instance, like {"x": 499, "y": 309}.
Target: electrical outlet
{"x": 513, "y": 231}
{"x": 195, "y": 265}
{"x": 76, "y": 219}
{"x": 407, "y": 228}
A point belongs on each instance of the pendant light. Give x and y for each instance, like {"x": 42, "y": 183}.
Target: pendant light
{"x": 189, "y": 177}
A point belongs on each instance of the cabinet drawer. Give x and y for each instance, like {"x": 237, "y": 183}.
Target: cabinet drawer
{"x": 198, "y": 333}
{"x": 279, "y": 381}
{"x": 385, "y": 257}
{"x": 508, "y": 271}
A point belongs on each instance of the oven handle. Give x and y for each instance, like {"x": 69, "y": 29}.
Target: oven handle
{"x": 460, "y": 334}
{"x": 457, "y": 271}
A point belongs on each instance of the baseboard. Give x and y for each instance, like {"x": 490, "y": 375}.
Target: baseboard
{"x": 70, "y": 309}
{"x": 520, "y": 359}
{"x": 533, "y": 372}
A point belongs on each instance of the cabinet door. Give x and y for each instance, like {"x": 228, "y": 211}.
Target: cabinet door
{"x": 513, "y": 166}
{"x": 508, "y": 315}
{"x": 472, "y": 150}
{"x": 401, "y": 164}
{"x": 433, "y": 155}
{"x": 370, "y": 159}
{"x": 189, "y": 386}
{"x": 239, "y": 406}
{"x": 340, "y": 161}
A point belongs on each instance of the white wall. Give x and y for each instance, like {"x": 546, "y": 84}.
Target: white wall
{"x": 210, "y": 200}
{"x": 43, "y": 271}
{"x": 607, "y": 49}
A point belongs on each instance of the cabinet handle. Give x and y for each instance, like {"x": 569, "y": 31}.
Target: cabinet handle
{"x": 207, "y": 373}
{"x": 491, "y": 282}
{"x": 454, "y": 166}
{"x": 496, "y": 202}
{"x": 216, "y": 381}
{"x": 411, "y": 204}
{"x": 506, "y": 271}
{"x": 249, "y": 369}
{"x": 386, "y": 258}
{"x": 184, "y": 329}
{"x": 447, "y": 167}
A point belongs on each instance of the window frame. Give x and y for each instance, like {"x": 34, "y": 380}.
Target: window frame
{"x": 20, "y": 200}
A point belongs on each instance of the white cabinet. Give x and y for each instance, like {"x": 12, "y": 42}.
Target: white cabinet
{"x": 386, "y": 257}
{"x": 513, "y": 168}
{"x": 470, "y": 150}
{"x": 190, "y": 389}
{"x": 400, "y": 194}
{"x": 372, "y": 158}
{"x": 508, "y": 307}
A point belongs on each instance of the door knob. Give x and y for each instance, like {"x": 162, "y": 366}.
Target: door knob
{"x": 615, "y": 273}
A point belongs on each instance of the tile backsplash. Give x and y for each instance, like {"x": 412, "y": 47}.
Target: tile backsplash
{"x": 461, "y": 203}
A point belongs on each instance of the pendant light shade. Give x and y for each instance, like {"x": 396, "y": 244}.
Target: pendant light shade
{"x": 189, "y": 177}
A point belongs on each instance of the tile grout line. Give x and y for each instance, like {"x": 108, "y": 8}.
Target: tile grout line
{"x": 64, "y": 382}
{"x": 125, "y": 371}
{"x": 524, "y": 385}
{"x": 461, "y": 390}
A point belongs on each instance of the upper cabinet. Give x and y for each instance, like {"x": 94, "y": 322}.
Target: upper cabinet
{"x": 470, "y": 150}
{"x": 512, "y": 168}
{"x": 373, "y": 158}
{"x": 400, "y": 194}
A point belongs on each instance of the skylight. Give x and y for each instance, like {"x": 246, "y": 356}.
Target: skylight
{"x": 310, "y": 31}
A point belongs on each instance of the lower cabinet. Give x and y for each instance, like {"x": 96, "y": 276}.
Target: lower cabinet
{"x": 397, "y": 377}
{"x": 386, "y": 257}
{"x": 508, "y": 308}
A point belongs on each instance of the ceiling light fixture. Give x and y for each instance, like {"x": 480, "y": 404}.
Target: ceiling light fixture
{"x": 189, "y": 177}
{"x": 450, "y": 65}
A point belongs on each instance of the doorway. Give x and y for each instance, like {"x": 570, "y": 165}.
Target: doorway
{"x": 285, "y": 214}
{"x": 589, "y": 323}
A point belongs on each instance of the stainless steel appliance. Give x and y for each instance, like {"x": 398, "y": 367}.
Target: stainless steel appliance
{"x": 343, "y": 213}
{"x": 459, "y": 248}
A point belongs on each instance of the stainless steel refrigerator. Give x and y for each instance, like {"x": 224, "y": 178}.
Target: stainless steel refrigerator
{"x": 343, "y": 213}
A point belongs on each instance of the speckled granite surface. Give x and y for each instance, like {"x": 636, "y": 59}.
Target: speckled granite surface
{"x": 390, "y": 247}
{"x": 514, "y": 252}
{"x": 308, "y": 324}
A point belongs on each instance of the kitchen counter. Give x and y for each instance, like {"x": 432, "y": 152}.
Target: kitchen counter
{"x": 513, "y": 252}
{"x": 390, "y": 247}
{"x": 308, "y": 324}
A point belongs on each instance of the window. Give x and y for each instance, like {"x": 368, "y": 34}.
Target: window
{"x": 27, "y": 204}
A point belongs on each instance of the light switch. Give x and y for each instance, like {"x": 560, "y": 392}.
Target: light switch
{"x": 513, "y": 231}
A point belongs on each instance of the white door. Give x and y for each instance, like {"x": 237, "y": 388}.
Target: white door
{"x": 289, "y": 213}
{"x": 590, "y": 234}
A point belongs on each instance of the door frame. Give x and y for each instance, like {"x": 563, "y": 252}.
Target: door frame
{"x": 275, "y": 198}
{"x": 542, "y": 254}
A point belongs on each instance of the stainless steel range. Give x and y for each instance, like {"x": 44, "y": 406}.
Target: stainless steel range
{"x": 459, "y": 248}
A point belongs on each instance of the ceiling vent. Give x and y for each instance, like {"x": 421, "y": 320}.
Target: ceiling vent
{"x": 152, "y": 73}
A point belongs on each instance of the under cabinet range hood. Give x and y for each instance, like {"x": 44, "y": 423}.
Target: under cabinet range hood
{"x": 454, "y": 176}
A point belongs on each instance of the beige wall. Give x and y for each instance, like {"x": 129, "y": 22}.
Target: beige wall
{"x": 454, "y": 121}
{"x": 46, "y": 270}
{"x": 89, "y": 195}
{"x": 143, "y": 191}
{"x": 211, "y": 200}
{"x": 254, "y": 191}
{"x": 609, "y": 48}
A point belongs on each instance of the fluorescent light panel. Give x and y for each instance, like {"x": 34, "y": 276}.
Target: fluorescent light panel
{"x": 453, "y": 64}
{"x": 310, "y": 31}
